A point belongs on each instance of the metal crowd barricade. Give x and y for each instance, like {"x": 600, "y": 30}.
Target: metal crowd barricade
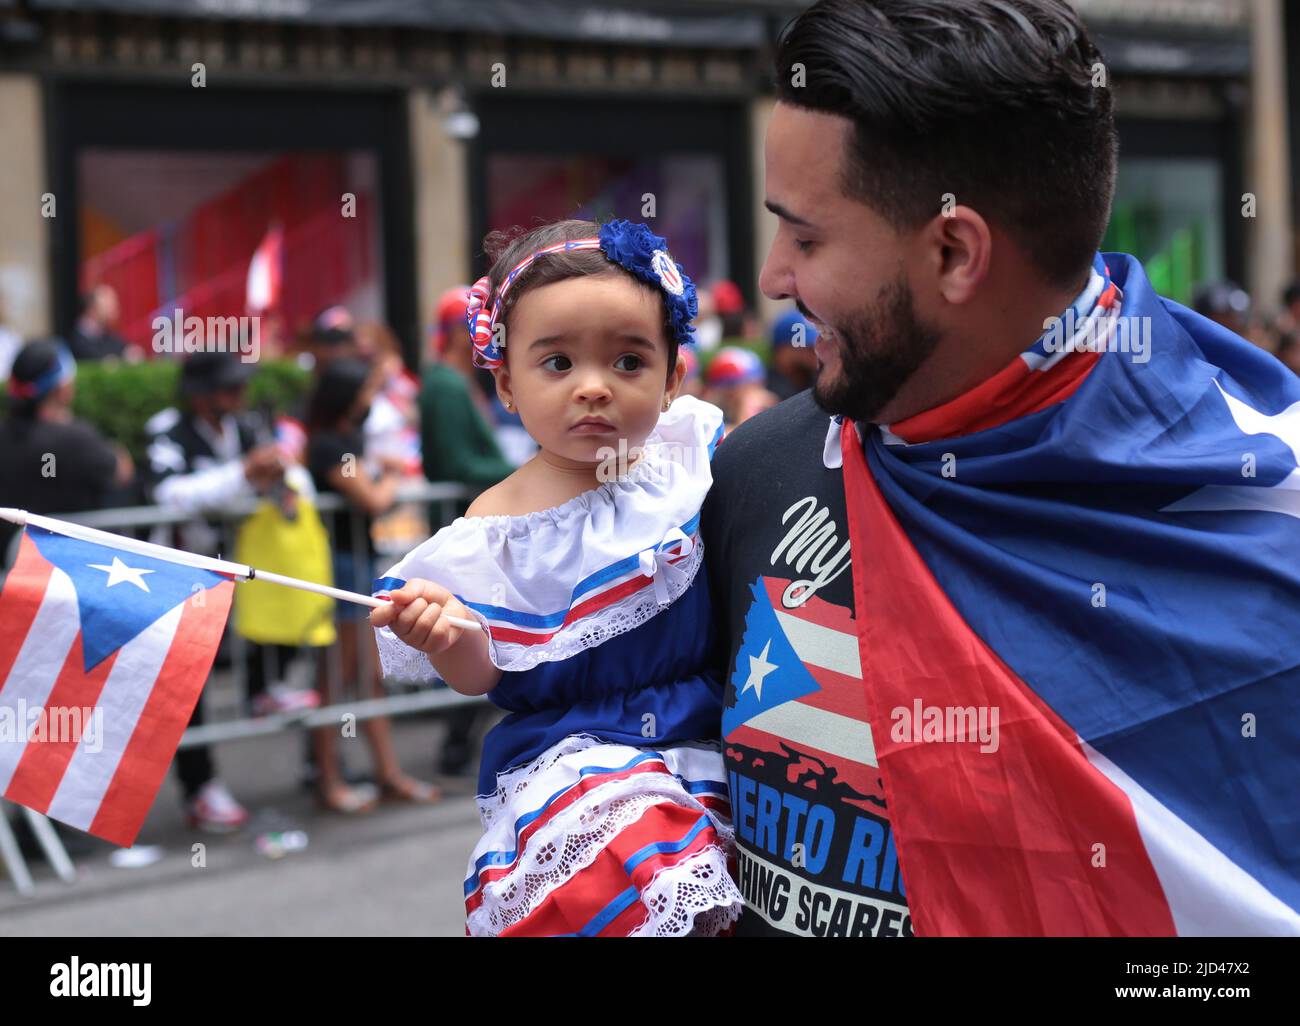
{"x": 238, "y": 722}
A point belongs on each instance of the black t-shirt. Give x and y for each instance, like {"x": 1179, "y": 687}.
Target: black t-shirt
{"x": 50, "y": 467}
{"x": 816, "y": 849}
{"x": 95, "y": 347}
{"x": 325, "y": 451}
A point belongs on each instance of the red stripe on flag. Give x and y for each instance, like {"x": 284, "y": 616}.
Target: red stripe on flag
{"x": 989, "y": 843}
{"x": 24, "y": 589}
{"x": 164, "y": 717}
{"x": 816, "y": 770}
{"x": 44, "y": 759}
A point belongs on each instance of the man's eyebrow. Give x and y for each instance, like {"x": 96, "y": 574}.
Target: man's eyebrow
{"x": 786, "y": 215}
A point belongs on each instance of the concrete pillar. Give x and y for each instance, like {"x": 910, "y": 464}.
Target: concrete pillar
{"x": 441, "y": 205}
{"x": 1270, "y": 251}
{"x": 24, "y": 233}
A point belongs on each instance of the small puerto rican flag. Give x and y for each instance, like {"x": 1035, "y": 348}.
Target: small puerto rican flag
{"x": 266, "y": 272}
{"x": 103, "y": 655}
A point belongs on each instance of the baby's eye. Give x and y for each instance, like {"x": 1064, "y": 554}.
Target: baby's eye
{"x": 636, "y": 362}
{"x": 557, "y": 362}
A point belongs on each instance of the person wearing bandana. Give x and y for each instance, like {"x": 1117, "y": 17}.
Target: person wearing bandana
{"x": 50, "y": 460}
{"x": 1009, "y": 600}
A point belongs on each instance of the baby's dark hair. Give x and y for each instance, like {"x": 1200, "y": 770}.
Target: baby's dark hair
{"x": 506, "y": 248}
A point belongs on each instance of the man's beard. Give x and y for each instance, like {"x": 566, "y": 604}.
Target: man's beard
{"x": 879, "y": 348}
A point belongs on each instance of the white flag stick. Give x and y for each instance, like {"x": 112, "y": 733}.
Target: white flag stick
{"x": 221, "y": 566}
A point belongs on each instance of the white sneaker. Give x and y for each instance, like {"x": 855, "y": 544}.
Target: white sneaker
{"x": 281, "y": 698}
{"x": 215, "y": 811}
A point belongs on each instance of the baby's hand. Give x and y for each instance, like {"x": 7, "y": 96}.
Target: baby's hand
{"x": 416, "y": 616}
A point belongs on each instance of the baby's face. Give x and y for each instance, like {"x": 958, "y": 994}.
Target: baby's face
{"x": 587, "y": 365}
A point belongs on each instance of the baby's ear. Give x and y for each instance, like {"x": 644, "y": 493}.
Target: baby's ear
{"x": 676, "y": 377}
{"x": 502, "y": 378}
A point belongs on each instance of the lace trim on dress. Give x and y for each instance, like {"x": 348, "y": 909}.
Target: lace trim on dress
{"x": 401, "y": 662}
{"x": 696, "y": 896}
{"x": 570, "y": 842}
{"x": 514, "y": 780}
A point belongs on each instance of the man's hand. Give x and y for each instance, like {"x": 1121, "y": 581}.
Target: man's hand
{"x": 416, "y": 616}
{"x": 263, "y": 466}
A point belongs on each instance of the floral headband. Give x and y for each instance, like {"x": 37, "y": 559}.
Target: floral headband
{"x": 632, "y": 246}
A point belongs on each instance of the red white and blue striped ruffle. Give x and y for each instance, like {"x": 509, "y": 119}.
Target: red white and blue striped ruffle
{"x": 598, "y": 839}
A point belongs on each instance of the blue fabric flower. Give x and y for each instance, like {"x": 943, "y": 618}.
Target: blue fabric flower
{"x": 637, "y": 249}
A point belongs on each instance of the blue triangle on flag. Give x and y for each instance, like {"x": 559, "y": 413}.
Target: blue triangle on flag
{"x": 119, "y": 593}
{"x": 768, "y": 671}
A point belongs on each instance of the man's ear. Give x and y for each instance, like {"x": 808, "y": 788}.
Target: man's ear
{"x": 959, "y": 249}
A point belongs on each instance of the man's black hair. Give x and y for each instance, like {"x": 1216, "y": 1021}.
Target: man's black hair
{"x": 1000, "y": 103}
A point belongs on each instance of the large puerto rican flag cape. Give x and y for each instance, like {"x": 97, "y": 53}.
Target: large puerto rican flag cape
{"x": 103, "y": 655}
{"x": 1103, "y": 547}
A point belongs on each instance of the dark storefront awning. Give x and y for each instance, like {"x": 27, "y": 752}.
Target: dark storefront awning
{"x": 705, "y": 26}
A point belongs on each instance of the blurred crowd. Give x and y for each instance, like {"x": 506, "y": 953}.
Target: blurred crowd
{"x": 366, "y": 425}
{"x": 1274, "y": 332}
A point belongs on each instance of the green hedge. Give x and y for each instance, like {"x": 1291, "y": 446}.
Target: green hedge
{"x": 118, "y": 398}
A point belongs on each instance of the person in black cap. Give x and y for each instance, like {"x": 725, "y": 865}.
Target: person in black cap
{"x": 50, "y": 461}
{"x": 332, "y": 337}
{"x": 205, "y": 455}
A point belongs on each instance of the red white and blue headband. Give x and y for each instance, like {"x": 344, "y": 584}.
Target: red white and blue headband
{"x": 64, "y": 369}
{"x": 628, "y": 244}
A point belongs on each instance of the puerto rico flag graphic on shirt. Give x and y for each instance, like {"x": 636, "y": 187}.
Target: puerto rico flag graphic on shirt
{"x": 103, "y": 655}
{"x": 816, "y": 851}
{"x": 1111, "y": 567}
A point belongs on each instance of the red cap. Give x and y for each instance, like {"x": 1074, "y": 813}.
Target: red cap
{"x": 727, "y": 298}
{"x": 452, "y": 305}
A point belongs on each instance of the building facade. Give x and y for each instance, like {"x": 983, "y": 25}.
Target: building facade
{"x": 157, "y": 144}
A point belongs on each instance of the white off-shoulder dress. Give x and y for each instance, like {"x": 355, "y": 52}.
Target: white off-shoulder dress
{"x": 603, "y": 794}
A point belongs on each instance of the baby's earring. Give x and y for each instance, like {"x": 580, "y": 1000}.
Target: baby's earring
{"x": 508, "y": 405}
{"x": 667, "y": 403}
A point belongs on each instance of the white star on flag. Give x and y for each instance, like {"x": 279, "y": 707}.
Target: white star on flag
{"x": 758, "y": 669}
{"x": 119, "y": 572}
{"x": 1283, "y": 497}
